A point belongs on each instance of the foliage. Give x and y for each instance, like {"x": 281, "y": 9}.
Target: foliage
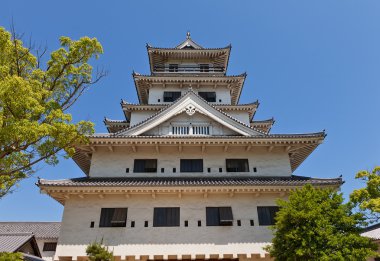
{"x": 34, "y": 125}
{"x": 368, "y": 198}
{"x": 314, "y": 224}
{"x": 97, "y": 252}
{"x": 5, "y": 256}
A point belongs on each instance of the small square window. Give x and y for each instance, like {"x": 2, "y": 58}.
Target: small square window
{"x": 127, "y": 170}
{"x": 254, "y": 169}
{"x": 252, "y": 222}
{"x": 186, "y": 223}
{"x": 146, "y": 224}
{"x": 159, "y": 100}
{"x": 50, "y": 246}
{"x": 220, "y": 100}
{"x": 208, "y": 170}
{"x": 174, "y": 170}
{"x": 220, "y": 170}
{"x": 132, "y": 223}
{"x": 239, "y": 223}
{"x": 199, "y": 223}
{"x": 92, "y": 224}
{"x": 162, "y": 170}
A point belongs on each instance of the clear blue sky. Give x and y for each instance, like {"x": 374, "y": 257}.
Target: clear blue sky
{"x": 313, "y": 65}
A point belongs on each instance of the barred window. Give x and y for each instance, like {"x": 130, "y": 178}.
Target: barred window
{"x": 49, "y": 246}
{"x": 191, "y": 165}
{"x": 166, "y": 217}
{"x": 237, "y": 165}
{"x": 208, "y": 96}
{"x": 267, "y": 215}
{"x": 145, "y": 165}
{"x": 171, "y": 96}
{"x": 219, "y": 216}
{"x": 113, "y": 217}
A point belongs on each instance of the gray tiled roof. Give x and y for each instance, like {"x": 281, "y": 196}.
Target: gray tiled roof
{"x": 190, "y": 181}
{"x": 10, "y": 242}
{"x": 39, "y": 229}
{"x": 372, "y": 232}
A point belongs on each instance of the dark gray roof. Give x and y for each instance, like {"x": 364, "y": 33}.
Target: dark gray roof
{"x": 10, "y": 242}
{"x": 39, "y": 229}
{"x": 190, "y": 181}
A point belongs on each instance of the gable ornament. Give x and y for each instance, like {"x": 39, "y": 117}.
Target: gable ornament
{"x": 190, "y": 109}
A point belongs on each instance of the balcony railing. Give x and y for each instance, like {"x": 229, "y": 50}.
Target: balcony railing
{"x": 188, "y": 69}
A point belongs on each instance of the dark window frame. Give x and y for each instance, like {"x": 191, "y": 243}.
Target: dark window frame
{"x": 171, "y": 96}
{"x": 237, "y": 165}
{"x": 49, "y": 246}
{"x": 208, "y": 96}
{"x": 173, "y": 67}
{"x": 166, "y": 217}
{"x": 267, "y": 215}
{"x": 140, "y": 166}
{"x": 219, "y": 216}
{"x": 113, "y": 217}
{"x": 191, "y": 165}
{"x": 204, "y": 67}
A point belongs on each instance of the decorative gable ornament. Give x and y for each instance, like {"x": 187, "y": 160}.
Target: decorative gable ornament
{"x": 190, "y": 109}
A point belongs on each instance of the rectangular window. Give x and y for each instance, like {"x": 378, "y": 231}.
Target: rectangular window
{"x": 204, "y": 67}
{"x": 208, "y": 96}
{"x": 166, "y": 217}
{"x": 173, "y": 67}
{"x": 267, "y": 215}
{"x": 191, "y": 165}
{"x": 113, "y": 217}
{"x": 237, "y": 165}
{"x": 171, "y": 96}
{"x": 145, "y": 165}
{"x": 219, "y": 216}
{"x": 49, "y": 246}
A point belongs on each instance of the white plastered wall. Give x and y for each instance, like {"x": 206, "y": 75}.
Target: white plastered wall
{"x": 157, "y": 93}
{"x": 76, "y": 233}
{"x": 113, "y": 164}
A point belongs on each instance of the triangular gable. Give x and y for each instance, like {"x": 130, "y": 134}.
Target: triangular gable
{"x": 188, "y": 43}
{"x": 191, "y": 103}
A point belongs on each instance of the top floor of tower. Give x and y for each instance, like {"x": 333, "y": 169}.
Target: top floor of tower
{"x": 188, "y": 66}
{"x": 188, "y": 58}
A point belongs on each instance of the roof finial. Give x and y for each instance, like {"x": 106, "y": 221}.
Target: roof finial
{"x": 188, "y": 35}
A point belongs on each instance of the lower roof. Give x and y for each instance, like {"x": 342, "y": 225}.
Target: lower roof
{"x": 39, "y": 229}
{"x": 189, "y": 181}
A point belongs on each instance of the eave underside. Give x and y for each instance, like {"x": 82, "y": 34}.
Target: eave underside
{"x": 143, "y": 83}
{"x": 218, "y": 57}
{"x": 82, "y": 187}
{"x": 299, "y": 147}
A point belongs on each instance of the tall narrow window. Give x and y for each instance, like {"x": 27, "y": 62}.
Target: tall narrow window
{"x": 267, "y": 215}
{"x": 113, "y": 217}
{"x": 171, "y": 96}
{"x": 191, "y": 165}
{"x": 145, "y": 165}
{"x": 173, "y": 67}
{"x": 208, "y": 96}
{"x": 237, "y": 165}
{"x": 166, "y": 217}
{"x": 219, "y": 216}
{"x": 204, "y": 67}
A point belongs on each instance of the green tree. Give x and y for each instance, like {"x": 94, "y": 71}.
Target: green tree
{"x": 97, "y": 252}
{"x": 5, "y": 256}
{"x": 368, "y": 198}
{"x": 34, "y": 99}
{"x": 314, "y": 224}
